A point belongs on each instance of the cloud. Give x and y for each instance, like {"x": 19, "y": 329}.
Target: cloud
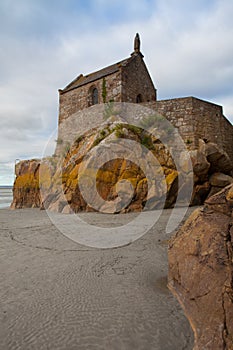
{"x": 197, "y": 60}
{"x": 6, "y": 173}
{"x": 44, "y": 45}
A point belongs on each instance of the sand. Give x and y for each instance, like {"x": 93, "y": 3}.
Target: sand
{"x": 57, "y": 294}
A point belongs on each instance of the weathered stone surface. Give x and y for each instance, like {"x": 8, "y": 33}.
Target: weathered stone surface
{"x": 201, "y": 272}
{"x": 121, "y": 184}
{"x": 197, "y": 119}
{"x": 219, "y": 160}
{"x": 26, "y": 192}
{"x": 213, "y": 191}
{"x": 208, "y": 180}
{"x": 58, "y": 178}
{"x": 200, "y": 193}
{"x": 217, "y": 182}
{"x": 221, "y": 201}
{"x": 200, "y": 164}
{"x": 111, "y": 183}
{"x": 220, "y": 180}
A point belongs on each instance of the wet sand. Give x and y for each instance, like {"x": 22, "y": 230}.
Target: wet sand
{"x": 56, "y": 294}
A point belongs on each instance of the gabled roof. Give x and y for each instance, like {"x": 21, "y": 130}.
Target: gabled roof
{"x": 85, "y": 79}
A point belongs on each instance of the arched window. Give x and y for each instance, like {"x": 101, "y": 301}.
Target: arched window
{"x": 95, "y": 98}
{"x": 139, "y": 98}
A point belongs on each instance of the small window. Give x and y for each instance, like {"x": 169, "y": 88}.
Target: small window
{"x": 95, "y": 98}
{"x": 139, "y": 98}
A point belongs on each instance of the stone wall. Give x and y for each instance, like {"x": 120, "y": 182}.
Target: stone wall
{"x": 136, "y": 81}
{"x": 78, "y": 98}
{"x": 131, "y": 80}
{"x": 77, "y": 124}
{"x": 206, "y": 118}
{"x": 193, "y": 118}
{"x": 179, "y": 112}
{"x": 211, "y": 124}
{"x": 227, "y": 136}
{"x": 197, "y": 119}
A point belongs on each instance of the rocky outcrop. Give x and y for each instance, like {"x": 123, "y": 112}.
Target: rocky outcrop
{"x": 33, "y": 177}
{"x": 26, "y": 191}
{"x": 60, "y": 183}
{"x": 120, "y": 184}
{"x": 114, "y": 179}
{"x": 201, "y": 271}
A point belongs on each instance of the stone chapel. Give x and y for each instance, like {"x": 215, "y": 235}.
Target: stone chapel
{"x": 124, "y": 81}
{"x": 129, "y": 81}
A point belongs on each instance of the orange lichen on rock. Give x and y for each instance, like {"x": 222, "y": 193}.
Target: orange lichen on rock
{"x": 26, "y": 191}
{"x": 88, "y": 162}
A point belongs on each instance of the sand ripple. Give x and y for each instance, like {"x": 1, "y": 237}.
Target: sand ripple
{"x": 55, "y": 294}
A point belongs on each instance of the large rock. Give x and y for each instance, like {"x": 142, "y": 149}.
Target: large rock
{"x": 33, "y": 179}
{"x": 63, "y": 185}
{"x": 201, "y": 271}
{"x": 55, "y": 182}
{"x": 200, "y": 165}
{"x": 217, "y": 182}
{"x": 211, "y": 171}
{"x": 220, "y": 180}
{"x": 219, "y": 160}
{"x": 26, "y": 192}
{"x": 121, "y": 184}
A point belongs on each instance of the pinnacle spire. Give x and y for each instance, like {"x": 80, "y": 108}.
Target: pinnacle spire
{"x": 137, "y": 43}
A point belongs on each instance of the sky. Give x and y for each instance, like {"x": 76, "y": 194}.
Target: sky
{"x": 45, "y": 44}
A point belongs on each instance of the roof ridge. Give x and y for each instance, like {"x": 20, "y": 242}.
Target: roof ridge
{"x": 81, "y": 79}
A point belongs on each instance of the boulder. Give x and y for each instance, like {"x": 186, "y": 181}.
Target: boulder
{"x": 217, "y": 182}
{"x": 218, "y": 159}
{"x": 201, "y": 271}
{"x": 220, "y": 180}
{"x": 26, "y": 192}
{"x": 220, "y": 202}
{"x": 200, "y": 165}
